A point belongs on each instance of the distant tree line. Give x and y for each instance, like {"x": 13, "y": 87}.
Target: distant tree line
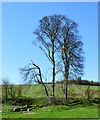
{"x": 81, "y": 82}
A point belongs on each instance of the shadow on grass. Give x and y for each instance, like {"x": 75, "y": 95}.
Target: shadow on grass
{"x": 41, "y": 102}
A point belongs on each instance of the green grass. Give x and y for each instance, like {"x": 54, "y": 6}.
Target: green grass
{"x": 6, "y": 107}
{"x": 36, "y": 92}
{"x": 56, "y": 111}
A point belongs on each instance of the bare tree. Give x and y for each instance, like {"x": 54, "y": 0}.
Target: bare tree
{"x": 32, "y": 73}
{"x": 6, "y": 87}
{"x": 47, "y": 32}
{"x": 55, "y": 34}
{"x": 71, "y": 49}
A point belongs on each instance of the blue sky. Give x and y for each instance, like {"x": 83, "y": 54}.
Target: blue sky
{"x": 19, "y": 20}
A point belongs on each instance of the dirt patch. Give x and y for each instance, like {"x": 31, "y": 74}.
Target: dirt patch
{"x": 29, "y": 113}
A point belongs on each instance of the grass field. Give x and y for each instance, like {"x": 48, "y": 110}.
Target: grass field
{"x": 36, "y": 92}
{"x": 57, "y": 111}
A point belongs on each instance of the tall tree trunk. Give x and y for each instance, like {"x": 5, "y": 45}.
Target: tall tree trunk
{"x": 66, "y": 85}
{"x": 66, "y": 71}
{"x": 53, "y": 81}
